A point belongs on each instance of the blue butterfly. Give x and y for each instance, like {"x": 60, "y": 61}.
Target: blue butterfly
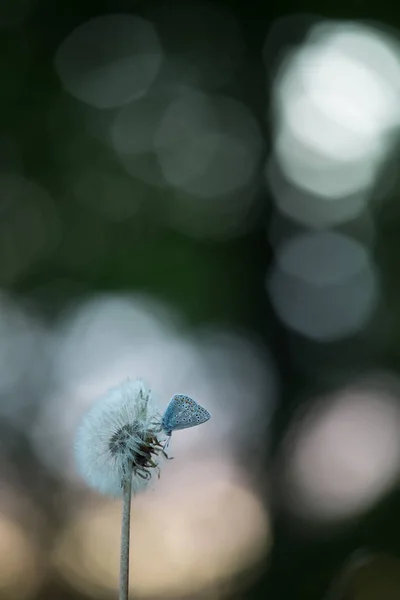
{"x": 183, "y": 412}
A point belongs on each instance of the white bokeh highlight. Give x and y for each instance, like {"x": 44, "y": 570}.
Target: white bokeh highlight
{"x": 335, "y": 113}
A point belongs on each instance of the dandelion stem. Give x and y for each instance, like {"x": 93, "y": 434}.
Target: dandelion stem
{"x": 125, "y": 538}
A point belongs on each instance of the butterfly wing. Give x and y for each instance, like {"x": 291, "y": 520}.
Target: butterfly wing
{"x": 183, "y": 412}
{"x": 189, "y": 418}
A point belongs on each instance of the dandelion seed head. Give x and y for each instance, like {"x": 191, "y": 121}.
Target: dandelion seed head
{"x": 120, "y": 434}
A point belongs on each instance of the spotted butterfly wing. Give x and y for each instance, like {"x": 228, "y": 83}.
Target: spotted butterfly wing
{"x": 183, "y": 412}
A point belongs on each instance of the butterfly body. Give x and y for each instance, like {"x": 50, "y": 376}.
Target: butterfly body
{"x": 183, "y": 412}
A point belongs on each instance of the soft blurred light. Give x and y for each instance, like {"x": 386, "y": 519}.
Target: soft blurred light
{"x": 323, "y": 285}
{"x": 308, "y": 207}
{"x": 177, "y": 74}
{"x": 203, "y": 528}
{"x": 240, "y": 383}
{"x": 281, "y": 227}
{"x": 19, "y": 576}
{"x": 208, "y": 145}
{"x": 344, "y": 453}
{"x": 314, "y": 172}
{"x": 23, "y": 341}
{"x": 132, "y": 135}
{"x": 284, "y": 34}
{"x": 336, "y": 105}
{"x": 355, "y": 75}
{"x": 136, "y": 123}
{"x": 17, "y": 339}
{"x": 109, "y": 60}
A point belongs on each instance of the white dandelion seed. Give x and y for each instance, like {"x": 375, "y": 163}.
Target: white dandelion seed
{"x": 120, "y": 435}
{"x": 117, "y": 447}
